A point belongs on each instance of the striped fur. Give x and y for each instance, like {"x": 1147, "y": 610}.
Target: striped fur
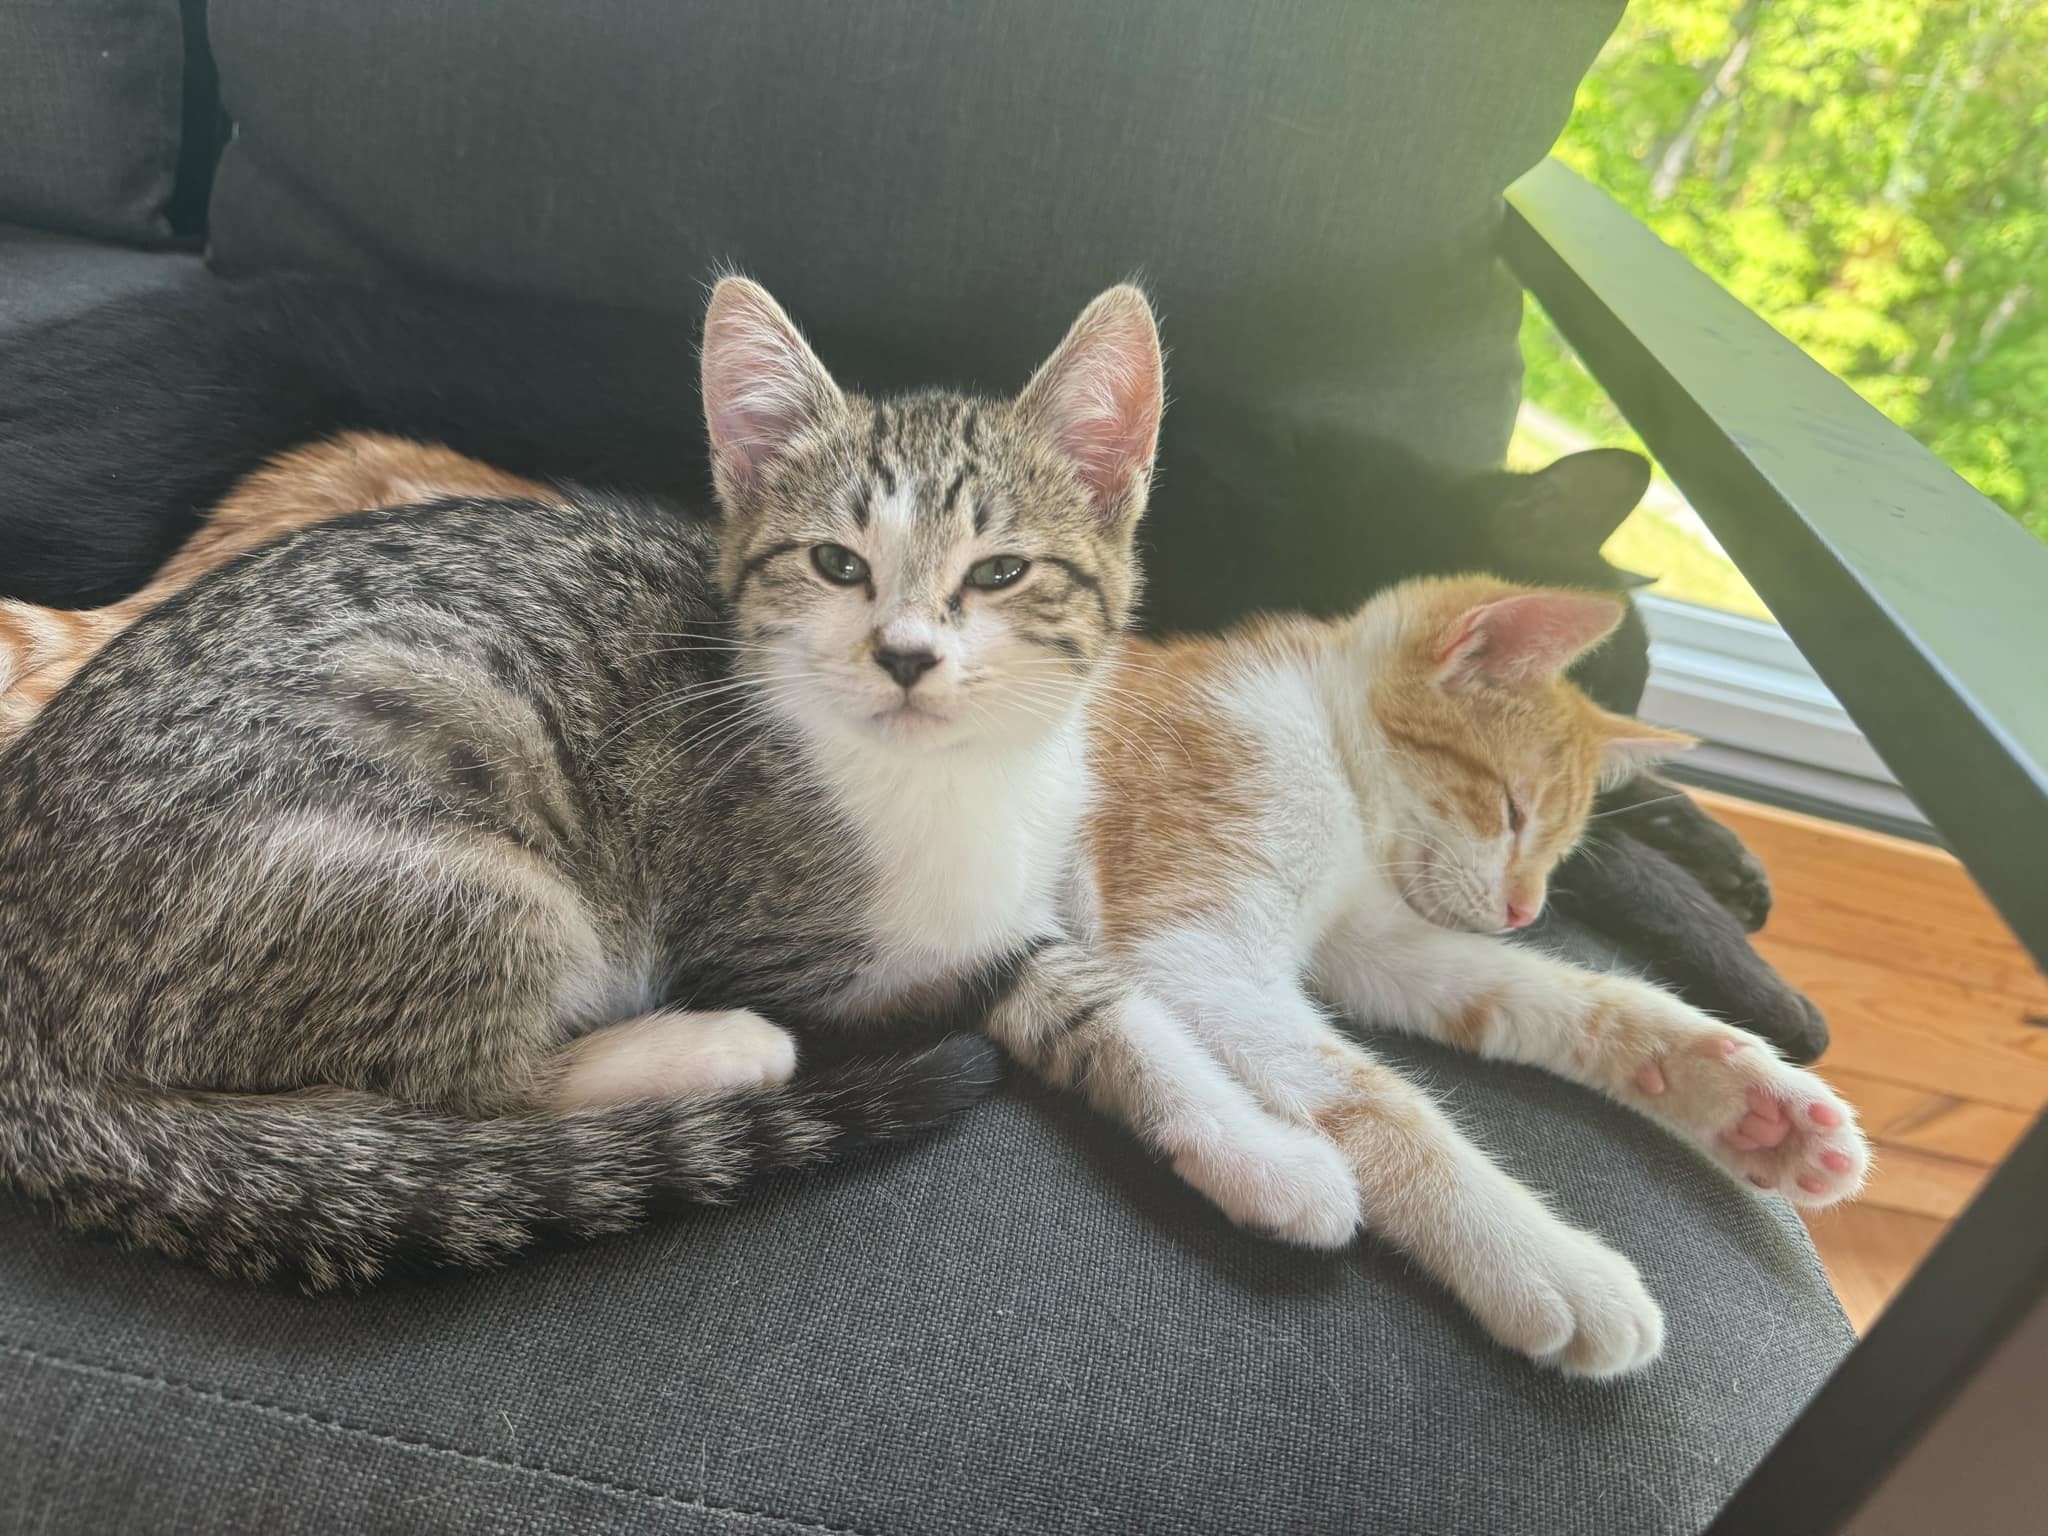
{"x": 41, "y": 648}
{"x": 422, "y": 882}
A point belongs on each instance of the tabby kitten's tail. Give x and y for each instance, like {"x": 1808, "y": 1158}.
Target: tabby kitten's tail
{"x": 331, "y": 1189}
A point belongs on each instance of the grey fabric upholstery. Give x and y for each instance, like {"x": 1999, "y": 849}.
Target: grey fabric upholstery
{"x": 91, "y": 97}
{"x": 1022, "y": 1326}
{"x": 1310, "y": 189}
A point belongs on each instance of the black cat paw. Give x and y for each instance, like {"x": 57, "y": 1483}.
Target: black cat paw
{"x": 1797, "y": 1028}
{"x": 1665, "y": 818}
{"x": 1715, "y": 857}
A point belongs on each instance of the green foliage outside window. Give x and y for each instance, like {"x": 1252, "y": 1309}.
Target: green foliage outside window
{"x": 1871, "y": 176}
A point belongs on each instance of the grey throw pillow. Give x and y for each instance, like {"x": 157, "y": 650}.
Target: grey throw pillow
{"x": 90, "y": 102}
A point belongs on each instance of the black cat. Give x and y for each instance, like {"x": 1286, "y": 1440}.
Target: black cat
{"x": 145, "y": 410}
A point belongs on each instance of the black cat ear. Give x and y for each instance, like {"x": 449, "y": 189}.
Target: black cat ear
{"x": 1589, "y": 493}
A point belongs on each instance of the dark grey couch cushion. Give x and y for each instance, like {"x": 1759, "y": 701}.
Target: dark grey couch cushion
{"x": 1021, "y": 1327}
{"x": 1311, "y": 190}
{"x": 46, "y": 277}
{"x": 90, "y": 105}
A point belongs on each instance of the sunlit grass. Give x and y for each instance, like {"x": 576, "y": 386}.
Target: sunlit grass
{"x": 1684, "y": 567}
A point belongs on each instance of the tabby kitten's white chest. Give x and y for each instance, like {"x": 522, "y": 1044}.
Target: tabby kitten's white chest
{"x": 972, "y": 851}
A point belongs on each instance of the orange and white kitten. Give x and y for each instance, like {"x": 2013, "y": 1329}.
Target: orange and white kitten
{"x": 1305, "y": 816}
{"x": 41, "y": 649}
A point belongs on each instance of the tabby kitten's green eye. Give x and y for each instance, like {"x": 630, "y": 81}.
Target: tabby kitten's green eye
{"x": 997, "y": 571}
{"x": 839, "y": 565}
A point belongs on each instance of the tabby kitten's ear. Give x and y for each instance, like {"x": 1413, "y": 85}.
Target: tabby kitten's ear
{"x": 1098, "y": 400}
{"x": 1628, "y": 746}
{"x": 764, "y": 387}
{"x": 1523, "y": 639}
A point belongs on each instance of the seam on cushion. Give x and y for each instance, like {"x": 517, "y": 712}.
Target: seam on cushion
{"x": 223, "y": 1398}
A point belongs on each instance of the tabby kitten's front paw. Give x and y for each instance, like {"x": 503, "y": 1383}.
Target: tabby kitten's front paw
{"x": 1282, "y": 1181}
{"x": 1565, "y": 1299}
{"x": 1777, "y": 1126}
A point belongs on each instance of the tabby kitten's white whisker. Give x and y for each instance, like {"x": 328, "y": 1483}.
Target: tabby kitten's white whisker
{"x": 670, "y": 701}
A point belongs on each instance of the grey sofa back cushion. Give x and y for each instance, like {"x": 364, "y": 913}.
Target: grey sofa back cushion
{"x": 1310, "y": 189}
{"x": 90, "y": 103}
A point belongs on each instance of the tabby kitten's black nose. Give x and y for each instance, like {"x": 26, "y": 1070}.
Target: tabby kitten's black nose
{"x": 905, "y": 666}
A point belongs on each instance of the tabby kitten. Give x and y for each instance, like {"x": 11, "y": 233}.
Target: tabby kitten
{"x": 1353, "y": 811}
{"x": 426, "y": 882}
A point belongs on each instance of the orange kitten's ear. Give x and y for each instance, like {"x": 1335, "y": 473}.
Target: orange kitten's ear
{"x": 1524, "y": 638}
{"x": 1099, "y": 397}
{"x": 1629, "y": 746}
{"x": 763, "y": 385}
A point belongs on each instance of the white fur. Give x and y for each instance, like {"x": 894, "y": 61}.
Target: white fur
{"x": 972, "y": 845}
{"x": 674, "y": 1055}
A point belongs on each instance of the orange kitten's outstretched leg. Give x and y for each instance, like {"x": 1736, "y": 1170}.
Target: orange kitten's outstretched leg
{"x": 1539, "y": 1285}
{"x": 1767, "y": 1122}
{"x": 42, "y": 648}
{"x": 1077, "y": 1023}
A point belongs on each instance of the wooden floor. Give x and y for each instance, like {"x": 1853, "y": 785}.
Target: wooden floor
{"x": 1939, "y": 1023}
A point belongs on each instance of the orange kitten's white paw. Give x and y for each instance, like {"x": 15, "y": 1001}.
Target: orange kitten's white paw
{"x": 1564, "y": 1298}
{"x": 1288, "y": 1183}
{"x": 1776, "y": 1126}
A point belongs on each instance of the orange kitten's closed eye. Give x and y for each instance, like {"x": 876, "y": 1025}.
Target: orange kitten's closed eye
{"x": 1495, "y": 755}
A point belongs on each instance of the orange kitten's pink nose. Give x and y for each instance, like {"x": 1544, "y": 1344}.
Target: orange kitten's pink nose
{"x": 1520, "y": 916}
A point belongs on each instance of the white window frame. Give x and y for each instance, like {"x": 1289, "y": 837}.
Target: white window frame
{"x": 1767, "y": 724}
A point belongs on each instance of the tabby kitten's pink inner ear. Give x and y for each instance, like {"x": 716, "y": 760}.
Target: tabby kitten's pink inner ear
{"x": 1524, "y": 638}
{"x": 763, "y": 385}
{"x": 1628, "y": 746}
{"x": 1098, "y": 399}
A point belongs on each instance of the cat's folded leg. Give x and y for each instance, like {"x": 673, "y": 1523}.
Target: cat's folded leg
{"x": 1539, "y": 1285}
{"x": 1073, "y": 1019}
{"x": 1775, "y": 1125}
{"x": 671, "y": 1055}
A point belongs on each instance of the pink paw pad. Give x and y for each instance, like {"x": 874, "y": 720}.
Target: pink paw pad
{"x": 1650, "y": 1077}
{"x": 1766, "y": 1124}
{"x": 1824, "y": 1115}
{"x": 1721, "y": 1046}
{"x": 1837, "y": 1162}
